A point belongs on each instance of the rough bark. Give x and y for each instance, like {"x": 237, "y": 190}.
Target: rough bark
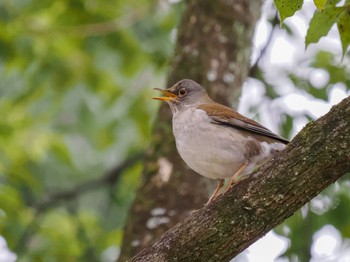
{"x": 317, "y": 157}
{"x": 213, "y": 48}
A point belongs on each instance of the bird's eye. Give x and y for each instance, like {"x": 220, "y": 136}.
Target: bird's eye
{"x": 182, "y": 92}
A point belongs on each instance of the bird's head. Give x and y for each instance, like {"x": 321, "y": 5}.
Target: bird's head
{"x": 185, "y": 93}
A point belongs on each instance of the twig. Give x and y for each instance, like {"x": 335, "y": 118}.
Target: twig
{"x": 110, "y": 178}
{"x": 94, "y": 29}
{"x": 254, "y": 67}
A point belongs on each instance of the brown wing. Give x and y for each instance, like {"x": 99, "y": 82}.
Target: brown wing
{"x": 223, "y": 115}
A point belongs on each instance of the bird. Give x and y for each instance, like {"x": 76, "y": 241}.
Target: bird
{"x": 214, "y": 140}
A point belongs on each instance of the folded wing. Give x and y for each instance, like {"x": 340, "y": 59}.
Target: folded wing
{"x": 223, "y": 115}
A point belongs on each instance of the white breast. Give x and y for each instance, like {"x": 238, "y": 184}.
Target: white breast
{"x": 212, "y": 150}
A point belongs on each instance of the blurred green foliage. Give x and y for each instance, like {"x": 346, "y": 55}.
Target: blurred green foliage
{"x": 75, "y": 86}
{"x": 75, "y": 102}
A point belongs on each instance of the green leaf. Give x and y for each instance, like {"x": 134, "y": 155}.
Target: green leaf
{"x": 344, "y": 29}
{"x": 287, "y": 8}
{"x": 320, "y": 4}
{"x": 321, "y": 23}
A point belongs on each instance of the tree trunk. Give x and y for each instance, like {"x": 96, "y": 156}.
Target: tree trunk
{"x": 317, "y": 157}
{"x": 213, "y": 48}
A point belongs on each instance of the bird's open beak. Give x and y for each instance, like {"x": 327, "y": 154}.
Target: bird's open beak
{"x": 168, "y": 96}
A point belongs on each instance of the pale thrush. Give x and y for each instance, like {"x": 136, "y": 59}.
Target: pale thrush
{"x": 214, "y": 140}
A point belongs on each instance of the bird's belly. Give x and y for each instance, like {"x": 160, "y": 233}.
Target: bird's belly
{"x": 211, "y": 150}
{"x": 217, "y": 151}
{"x": 215, "y": 164}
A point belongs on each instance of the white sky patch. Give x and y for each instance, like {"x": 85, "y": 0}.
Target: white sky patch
{"x": 304, "y": 103}
{"x": 110, "y": 254}
{"x": 299, "y": 123}
{"x": 253, "y": 93}
{"x": 319, "y": 77}
{"x": 5, "y": 254}
{"x": 337, "y": 93}
{"x": 298, "y": 25}
{"x": 321, "y": 204}
{"x": 326, "y": 243}
{"x": 283, "y": 50}
{"x": 299, "y": 102}
{"x": 259, "y": 252}
{"x": 261, "y": 33}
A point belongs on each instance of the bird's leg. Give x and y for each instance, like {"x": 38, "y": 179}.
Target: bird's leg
{"x": 215, "y": 193}
{"x": 235, "y": 175}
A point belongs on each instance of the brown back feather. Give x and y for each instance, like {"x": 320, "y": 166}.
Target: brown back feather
{"x": 223, "y": 115}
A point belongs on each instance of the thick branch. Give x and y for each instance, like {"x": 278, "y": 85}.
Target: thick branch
{"x": 318, "y": 156}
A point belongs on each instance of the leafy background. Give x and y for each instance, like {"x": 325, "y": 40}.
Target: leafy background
{"x": 76, "y": 80}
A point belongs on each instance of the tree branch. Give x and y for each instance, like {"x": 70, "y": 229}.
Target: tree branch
{"x": 318, "y": 156}
{"x": 110, "y": 178}
{"x": 274, "y": 24}
{"x": 95, "y": 29}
